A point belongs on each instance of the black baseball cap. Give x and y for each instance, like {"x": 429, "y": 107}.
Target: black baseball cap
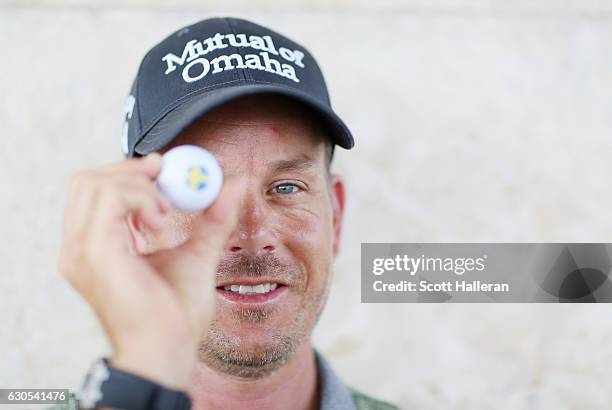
{"x": 207, "y": 64}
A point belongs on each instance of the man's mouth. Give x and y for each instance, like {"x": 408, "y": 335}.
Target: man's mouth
{"x": 251, "y": 292}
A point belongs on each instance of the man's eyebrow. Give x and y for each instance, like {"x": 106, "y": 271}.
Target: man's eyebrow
{"x": 303, "y": 163}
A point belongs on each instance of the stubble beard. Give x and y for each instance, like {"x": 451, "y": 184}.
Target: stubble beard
{"x": 235, "y": 356}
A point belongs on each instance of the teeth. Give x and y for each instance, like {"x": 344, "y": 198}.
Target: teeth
{"x": 260, "y": 289}
{"x": 250, "y": 290}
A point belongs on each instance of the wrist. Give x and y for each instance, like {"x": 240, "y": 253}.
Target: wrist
{"x": 167, "y": 360}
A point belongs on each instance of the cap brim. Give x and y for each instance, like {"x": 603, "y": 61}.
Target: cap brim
{"x": 178, "y": 119}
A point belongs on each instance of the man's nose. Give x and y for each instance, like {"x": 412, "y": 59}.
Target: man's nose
{"x": 254, "y": 234}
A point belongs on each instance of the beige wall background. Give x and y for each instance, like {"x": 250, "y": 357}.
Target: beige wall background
{"x": 475, "y": 120}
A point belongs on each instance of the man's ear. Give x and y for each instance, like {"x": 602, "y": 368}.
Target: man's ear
{"x": 138, "y": 234}
{"x": 338, "y": 200}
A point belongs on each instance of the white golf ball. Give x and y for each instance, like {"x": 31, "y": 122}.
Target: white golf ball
{"x": 190, "y": 178}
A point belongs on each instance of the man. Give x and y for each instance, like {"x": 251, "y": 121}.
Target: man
{"x": 215, "y": 309}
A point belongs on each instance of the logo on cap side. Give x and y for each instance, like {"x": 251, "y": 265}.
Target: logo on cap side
{"x": 196, "y": 66}
{"x": 128, "y": 109}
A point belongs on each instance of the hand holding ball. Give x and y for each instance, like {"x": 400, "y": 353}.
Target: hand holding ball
{"x": 190, "y": 178}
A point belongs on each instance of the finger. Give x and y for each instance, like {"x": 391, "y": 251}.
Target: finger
{"x": 140, "y": 183}
{"x": 149, "y": 165}
{"x": 115, "y": 201}
{"x": 83, "y": 187}
{"x": 95, "y": 215}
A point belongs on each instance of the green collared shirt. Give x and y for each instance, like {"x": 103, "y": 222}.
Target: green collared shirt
{"x": 335, "y": 395}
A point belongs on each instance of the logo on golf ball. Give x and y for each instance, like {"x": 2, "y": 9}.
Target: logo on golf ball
{"x": 197, "y": 177}
{"x": 190, "y": 178}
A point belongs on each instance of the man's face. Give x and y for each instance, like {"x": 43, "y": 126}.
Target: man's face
{"x": 287, "y": 234}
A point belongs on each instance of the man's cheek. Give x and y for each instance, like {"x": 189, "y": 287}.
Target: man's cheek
{"x": 309, "y": 222}
{"x": 315, "y": 260}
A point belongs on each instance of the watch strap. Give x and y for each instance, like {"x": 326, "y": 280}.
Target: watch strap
{"x": 127, "y": 391}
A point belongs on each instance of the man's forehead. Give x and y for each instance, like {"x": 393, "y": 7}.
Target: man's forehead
{"x": 265, "y": 166}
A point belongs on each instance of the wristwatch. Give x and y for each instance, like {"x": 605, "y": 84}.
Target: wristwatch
{"x": 105, "y": 386}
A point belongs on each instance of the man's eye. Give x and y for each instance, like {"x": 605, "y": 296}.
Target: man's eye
{"x": 284, "y": 189}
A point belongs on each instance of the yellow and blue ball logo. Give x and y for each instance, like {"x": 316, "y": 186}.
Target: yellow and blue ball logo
{"x": 197, "y": 177}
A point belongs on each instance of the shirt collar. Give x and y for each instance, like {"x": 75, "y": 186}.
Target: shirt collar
{"x": 333, "y": 393}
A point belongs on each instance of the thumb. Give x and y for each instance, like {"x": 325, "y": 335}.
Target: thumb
{"x": 191, "y": 266}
